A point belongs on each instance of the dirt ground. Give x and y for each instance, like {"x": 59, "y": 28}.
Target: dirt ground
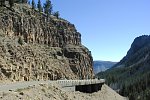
{"x": 55, "y": 92}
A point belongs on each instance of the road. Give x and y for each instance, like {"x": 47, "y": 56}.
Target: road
{"x": 63, "y": 83}
{"x": 21, "y": 85}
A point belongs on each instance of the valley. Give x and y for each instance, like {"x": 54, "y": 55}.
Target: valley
{"x": 131, "y": 75}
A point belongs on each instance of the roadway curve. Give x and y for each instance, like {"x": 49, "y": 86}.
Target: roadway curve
{"x": 63, "y": 83}
{"x": 21, "y": 85}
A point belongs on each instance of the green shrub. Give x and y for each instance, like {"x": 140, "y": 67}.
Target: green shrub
{"x": 20, "y": 41}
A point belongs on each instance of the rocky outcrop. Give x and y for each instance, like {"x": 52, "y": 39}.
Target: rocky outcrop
{"x": 36, "y": 28}
{"x": 50, "y": 49}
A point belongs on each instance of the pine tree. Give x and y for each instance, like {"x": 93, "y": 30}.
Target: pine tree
{"x": 24, "y": 1}
{"x": 33, "y": 4}
{"x": 48, "y": 8}
{"x": 39, "y": 6}
{"x": 2, "y": 2}
{"x": 56, "y": 14}
{"x": 11, "y": 3}
{"x": 29, "y": 2}
{"x": 18, "y": 1}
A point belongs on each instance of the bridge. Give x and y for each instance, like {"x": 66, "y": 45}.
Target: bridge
{"x": 87, "y": 86}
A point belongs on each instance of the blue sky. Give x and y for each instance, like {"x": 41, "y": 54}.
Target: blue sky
{"x": 108, "y": 27}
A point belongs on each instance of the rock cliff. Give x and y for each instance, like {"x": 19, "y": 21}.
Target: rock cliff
{"x": 34, "y": 47}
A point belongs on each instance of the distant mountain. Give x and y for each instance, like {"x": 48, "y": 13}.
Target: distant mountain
{"x": 138, "y": 52}
{"x": 100, "y": 66}
{"x": 131, "y": 76}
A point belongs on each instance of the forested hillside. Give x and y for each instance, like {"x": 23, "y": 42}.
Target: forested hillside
{"x": 131, "y": 76}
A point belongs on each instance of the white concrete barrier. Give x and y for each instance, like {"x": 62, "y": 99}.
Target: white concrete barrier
{"x": 79, "y": 82}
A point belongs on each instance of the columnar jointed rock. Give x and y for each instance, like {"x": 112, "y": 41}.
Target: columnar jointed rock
{"x": 51, "y": 49}
{"x": 36, "y": 29}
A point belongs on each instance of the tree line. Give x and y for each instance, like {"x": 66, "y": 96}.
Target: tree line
{"x": 47, "y": 7}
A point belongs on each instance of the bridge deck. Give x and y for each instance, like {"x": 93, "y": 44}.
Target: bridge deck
{"x": 79, "y": 82}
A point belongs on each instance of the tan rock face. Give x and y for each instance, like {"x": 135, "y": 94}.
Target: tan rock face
{"x": 47, "y": 49}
